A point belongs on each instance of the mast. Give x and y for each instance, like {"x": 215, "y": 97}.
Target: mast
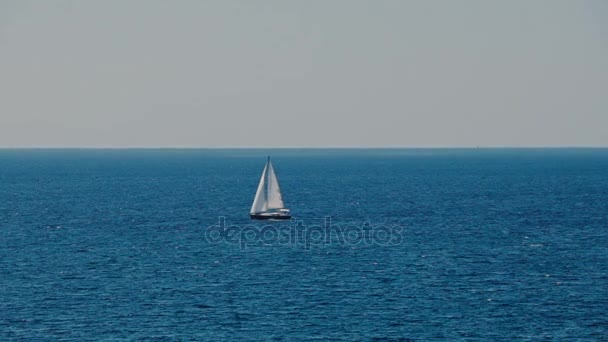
{"x": 266, "y": 168}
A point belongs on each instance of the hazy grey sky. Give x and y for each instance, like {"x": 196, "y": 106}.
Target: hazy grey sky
{"x": 303, "y": 73}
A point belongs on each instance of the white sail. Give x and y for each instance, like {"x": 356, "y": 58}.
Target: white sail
{"x": 259, "y": 202}
{"x": 274, "y": 199}
{"x": 268, "y": 202}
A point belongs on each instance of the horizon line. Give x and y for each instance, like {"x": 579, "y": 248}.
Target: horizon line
{"x": 472, "y": 147}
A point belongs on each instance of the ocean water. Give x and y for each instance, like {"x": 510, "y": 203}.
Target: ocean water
{"x": 485, "y": 244}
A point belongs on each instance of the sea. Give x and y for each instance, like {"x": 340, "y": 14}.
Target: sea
{"x": 384, "y": 244}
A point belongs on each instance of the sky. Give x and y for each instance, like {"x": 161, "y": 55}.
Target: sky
{"x": 318, "y": 73}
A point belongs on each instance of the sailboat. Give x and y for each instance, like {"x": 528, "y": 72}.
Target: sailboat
{"x": 268, "y": 202}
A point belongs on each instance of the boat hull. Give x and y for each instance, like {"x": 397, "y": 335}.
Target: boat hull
{"x": 272, "y": 216}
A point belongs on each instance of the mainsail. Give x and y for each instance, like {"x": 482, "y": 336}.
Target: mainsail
{"x": 274, "y": 200}
{"x": 268, "y": 195}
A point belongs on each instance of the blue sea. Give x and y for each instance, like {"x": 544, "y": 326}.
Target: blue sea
{"x": 465, "y": 244}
